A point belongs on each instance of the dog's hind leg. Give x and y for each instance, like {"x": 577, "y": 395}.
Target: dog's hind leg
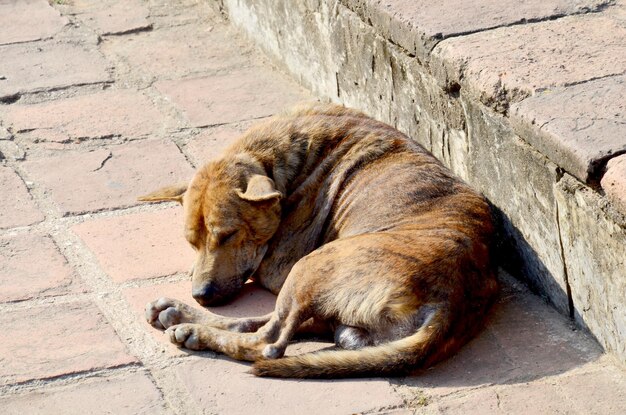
{"x": 166, "y": 312}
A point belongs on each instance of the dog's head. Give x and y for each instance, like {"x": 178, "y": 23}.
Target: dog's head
{"x": 230, "y": 215}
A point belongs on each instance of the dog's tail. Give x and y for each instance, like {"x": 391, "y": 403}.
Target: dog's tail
{"x": 426, "y": 346}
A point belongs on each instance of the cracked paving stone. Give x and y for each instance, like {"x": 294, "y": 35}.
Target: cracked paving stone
{"x": 42, "y": 66}
{"x": 106, "y": 114}
{"x": 108, "y": 178}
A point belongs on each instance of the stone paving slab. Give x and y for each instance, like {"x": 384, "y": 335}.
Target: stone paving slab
{"x": 35, "y": 67}
{"x": 509, "y": 64}
{"x": 127, "y": 394}
{"x": 48, "y": 341}
{"x": 568, "y": 394}
{"x": 419, "y": 25}
{"x": 28, "y": 20}
{"x": 174, "y": 52}
{"x": 224, "y": 387}
{"x": 106, "y": 114}
{"x": 250, "y": 92}
{"x": 578, "y": 127}
{"x": 140, "y": 245}
{"x": 614, "y": 182}
{"x": 110, "y": 177}
{"x": 109, "y": 17}
{"x": 17, "y": 208}
{"x": 211, "y": 143}
{"x": 31, "y": 266}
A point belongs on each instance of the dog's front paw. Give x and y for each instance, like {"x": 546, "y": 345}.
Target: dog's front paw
{"x": 166, "y": 312}
{"x": 187, "y": 335}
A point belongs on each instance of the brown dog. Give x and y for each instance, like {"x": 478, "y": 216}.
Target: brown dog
{"x": 354, "y": 226}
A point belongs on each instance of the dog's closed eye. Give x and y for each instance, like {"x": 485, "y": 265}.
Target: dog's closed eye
{"x": 224, "y": 237}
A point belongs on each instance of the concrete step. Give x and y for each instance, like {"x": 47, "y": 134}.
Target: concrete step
{"x": 525, "y": 101}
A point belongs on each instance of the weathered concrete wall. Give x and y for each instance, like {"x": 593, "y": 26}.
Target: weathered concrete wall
{"x": 555, "y": 235}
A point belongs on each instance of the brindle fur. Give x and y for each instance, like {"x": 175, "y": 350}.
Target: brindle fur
{"x": 353, "y": 226}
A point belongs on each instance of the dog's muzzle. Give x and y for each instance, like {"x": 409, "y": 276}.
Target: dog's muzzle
{"x": 205, "y": 295}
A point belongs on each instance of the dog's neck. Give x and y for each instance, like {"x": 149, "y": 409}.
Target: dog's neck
{"x": 299, "y": 156}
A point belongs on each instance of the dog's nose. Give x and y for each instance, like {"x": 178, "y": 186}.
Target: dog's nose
{"x": 204, "y": 294}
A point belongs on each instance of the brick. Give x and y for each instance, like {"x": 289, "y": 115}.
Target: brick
{"x": 418, "y": 25}
{"x": 508, "y": 64}
{"x": 211, "y": 143}
{"x": 138, "y": 246}
{"x": 253, "y": 301}
{"x": 578, "y": 127}
{"x": 171, "y": 53}
{"x": 239, "y": 95}
{"x": 54, "y": 340}
{"x": 87, "y": 181}
{"x": 112, "y": 17}
{"x": 28, "y": 20}
{"x": 132, "y": 393}
{"x": 614, "y": 182}
{"x": 225, "y": 387}
{"x": 112, "y": 113}
{"x": 32, "y": 267}
{"x": 46, "y": 65}
{"x": 17, "y": 208}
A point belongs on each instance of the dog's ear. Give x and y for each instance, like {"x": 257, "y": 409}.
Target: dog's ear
{"x": 260, "y": 189}
{"x": 169, "y": 193}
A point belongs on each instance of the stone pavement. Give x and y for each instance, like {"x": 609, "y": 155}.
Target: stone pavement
{"x": 102, "y": 101}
